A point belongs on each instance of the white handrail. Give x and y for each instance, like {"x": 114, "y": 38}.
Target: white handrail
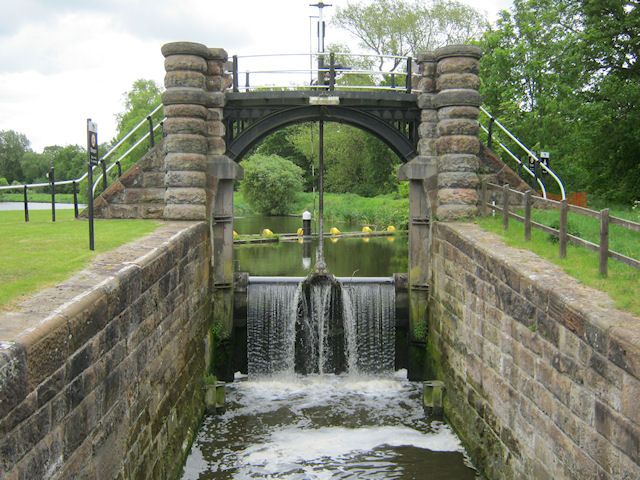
{"x": 529, "y": 152}
{"x": 105, "y": 156}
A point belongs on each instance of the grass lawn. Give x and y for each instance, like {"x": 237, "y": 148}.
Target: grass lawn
{"x": 37, "y": 197}
{"x": 40, "y": 253}
{"x": 623, "y": 282}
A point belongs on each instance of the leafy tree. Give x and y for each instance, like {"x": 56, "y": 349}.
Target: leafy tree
{"x": 13, "y": 146}
{"x": 270, "y": 183}
{"x": 406, "y": 27}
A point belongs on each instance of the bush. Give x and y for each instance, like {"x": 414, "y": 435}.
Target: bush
{"x": 271, "y": 183}
{"x": 3, "y": 182}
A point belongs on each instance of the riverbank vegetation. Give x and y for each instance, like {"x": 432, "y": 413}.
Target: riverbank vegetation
{"x": 40, "y": 253}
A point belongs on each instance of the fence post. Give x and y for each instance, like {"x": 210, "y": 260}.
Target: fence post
{"x": 235, "y": 73}
{"x": 246, "y": 81}
{"x": 604, "y": 242}
{"x": 332, "y": 71}
{"x": 75, "y": 198}
{"x": 104, "y": 174}
{"x": 564, "y": 209}
{"x": 119, "y": 165}
{"x": 409, "y": 75}
{"x": 490, "y": 134}
{"x": 52, "y": 181}
{"x": 505, "y": 206}
{"x": 483, "y": 197}
{"x": 527, "y": 215}
{"x": 26, "y": 205}
{"x": 152, "y": 140}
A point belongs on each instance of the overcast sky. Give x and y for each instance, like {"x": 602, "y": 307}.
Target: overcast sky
{"x": 62, "y": 61}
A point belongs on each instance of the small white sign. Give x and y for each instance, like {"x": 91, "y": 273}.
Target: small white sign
{"x": 324, "y": 100}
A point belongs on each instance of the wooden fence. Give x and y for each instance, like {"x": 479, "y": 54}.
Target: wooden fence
{"x": 564, "y": 237}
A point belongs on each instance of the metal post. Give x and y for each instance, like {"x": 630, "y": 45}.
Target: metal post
{"x": 75, "y": 198}
{"x": 409, "y": 75}
{"x": 332, "y": 71}
{"x": 564, "y": 210}
{"x": 90, "y": 205}
{"x": 246, "y": 81}
{"x": 162, "y": 128}
{"x": 393, "y": 80}
{"x": 235, "y": 73}
{"x": 604, "y": 242}
{"x": 26, "y": 205}
{"x": 490, "y": 139}
{"x": 152, "y": 140}
{"x": 505, "y": 206}
{"x": 119, "y": 165}
{"x": 52, "y": 180}
{"x": 320, "y": 264}
{"x": 104, "y": 174}
{"x": 527, "y": 215}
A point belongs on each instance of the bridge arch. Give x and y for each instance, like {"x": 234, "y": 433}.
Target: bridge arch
{"x": 400, "y": 144}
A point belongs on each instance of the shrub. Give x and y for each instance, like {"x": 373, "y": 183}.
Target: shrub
{"x": 270, "y": 183}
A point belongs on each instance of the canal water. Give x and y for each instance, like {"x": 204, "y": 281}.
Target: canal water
{"x": 364, "y": 423}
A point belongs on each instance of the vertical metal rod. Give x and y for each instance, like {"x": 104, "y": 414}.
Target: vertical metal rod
{"x": 152, "y": 141}
{"x": 235, "y": 73}
{"x": 490, "y": 139}
{"x": 104, "y": 175}
{"x": 604, "y": 242}
{"x": 246, "y": 82}
{"x": 505, "y": 206}
{"x": 564, "y": 210}
{"x": 162, "y": 128}
{"x": 393, "y": 80}
{"x": 320, "y": 264}
{"x": 74, "y": 186}
{"x": 119, "y": 165}
{"x": 52, "y": 179}
{"x": 90, "y": 205}
{"x": 332, "y": 71}
{"x": 527, "y": 215}
{"x": 26, "y": 205}
{"x": 409, "y": 75}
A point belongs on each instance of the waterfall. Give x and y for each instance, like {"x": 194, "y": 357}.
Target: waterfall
{"x": 320, "y": 325}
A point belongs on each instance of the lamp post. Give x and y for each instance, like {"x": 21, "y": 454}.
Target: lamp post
{"x": 321, "y": 34}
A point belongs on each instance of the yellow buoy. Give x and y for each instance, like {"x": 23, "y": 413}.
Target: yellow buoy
{"x": 334, "y": 239}
{"x": 300, "y": 232}
{"x": 267, "y": 233}
{"x": 365, "y": 239}
{"x": 391, "y": 229}
{"x": 235, "y": 235}
{"x": 334, "y": 231}
{"x": 367, "y": 229}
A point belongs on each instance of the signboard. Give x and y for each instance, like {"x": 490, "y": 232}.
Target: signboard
{"x": 92, "y": 142}
{"x": 324, "y": 100}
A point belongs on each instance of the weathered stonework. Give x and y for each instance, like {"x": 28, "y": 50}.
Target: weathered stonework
{"x": 101, "y": 376}
{"x": 542, "y": 373}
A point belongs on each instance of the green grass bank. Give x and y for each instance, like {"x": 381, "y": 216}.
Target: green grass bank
{"x": 379, "y": 211}
{"x": 41, "y": 253}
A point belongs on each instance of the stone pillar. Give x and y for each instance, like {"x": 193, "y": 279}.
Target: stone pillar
{"x": 185, "y": 105}
{"x": 458, "y": 144}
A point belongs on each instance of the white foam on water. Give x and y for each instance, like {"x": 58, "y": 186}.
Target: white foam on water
{"x": 292, "y": 446}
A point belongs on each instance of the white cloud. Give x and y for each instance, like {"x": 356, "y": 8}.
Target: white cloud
{"x": 62, "y": 61}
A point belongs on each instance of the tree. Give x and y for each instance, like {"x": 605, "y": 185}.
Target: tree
{"x": 270, "y": 183}
{"x": 406, "y": 27}
{"x": 13, "y": 146}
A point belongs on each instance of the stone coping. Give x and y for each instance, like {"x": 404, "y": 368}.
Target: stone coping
{"x": 35, "y": 316}
{"x": 589, "y": 313}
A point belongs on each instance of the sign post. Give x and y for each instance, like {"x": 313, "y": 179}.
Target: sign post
{"x": 92, "y": 155}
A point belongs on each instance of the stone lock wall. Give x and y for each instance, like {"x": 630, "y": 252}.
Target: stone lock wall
{"x": 542, "y": 373}
{"x": 101, "y": 376}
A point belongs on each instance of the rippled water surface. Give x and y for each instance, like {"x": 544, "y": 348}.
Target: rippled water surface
{"x": 326, "y": 427}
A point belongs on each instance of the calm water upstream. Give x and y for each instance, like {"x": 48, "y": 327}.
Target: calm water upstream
{"x": 326, "y": 427}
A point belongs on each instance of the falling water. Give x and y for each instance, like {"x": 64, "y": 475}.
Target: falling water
{"x": 271, "y": 327}
{"x": 321, "y": 325}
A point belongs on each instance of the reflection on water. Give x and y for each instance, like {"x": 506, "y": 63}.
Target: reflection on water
{"x": 326, "y": 427}
{"x": 257, "y": 223}
{"x": 345, "y": 257}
